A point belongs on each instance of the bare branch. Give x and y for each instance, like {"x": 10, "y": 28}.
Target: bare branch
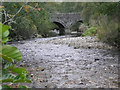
{"x": 5, "y": 15}
{"x": 19, "y": 10}
{"x": 11, "y": 19}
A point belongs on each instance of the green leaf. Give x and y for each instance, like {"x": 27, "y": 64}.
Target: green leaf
{"x": 18, "y": 79}
{"x": 0, "y": 30}
{"x": 5, "y": 40}
{"x": 22, "y": 87}
{"x": 28, "y": 79}
{"x": 19, "y": 70}
{"x": 7, "y": 58}
{"x": 5, "y": 33}
{"x": 9, "y": 66}
{"x": 7, "y": 78}
{"x": 10, "y": 53}
{"x": 4, "y": 30}
{"x": 6, "y": 86}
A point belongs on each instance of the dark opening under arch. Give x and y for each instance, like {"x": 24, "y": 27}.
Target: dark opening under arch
{"x": 75, "y": 26}
{"x": 61, "y": 28}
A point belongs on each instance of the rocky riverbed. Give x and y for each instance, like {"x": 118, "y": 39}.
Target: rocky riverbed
{"x": 70, "y": 62}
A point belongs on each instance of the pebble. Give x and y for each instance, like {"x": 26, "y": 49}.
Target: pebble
{"x": 83, "y": 63}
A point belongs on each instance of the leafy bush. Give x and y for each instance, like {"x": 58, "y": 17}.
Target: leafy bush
{"x": 24, "y": 29}
{"x": 109, "y": 31}
{"x": 105, "y": 16}
{"x": 41, "y": 19}
{"x": 10, "y": 72}
{"x": 33, "y": 18}
{"x": 90, "y": 32}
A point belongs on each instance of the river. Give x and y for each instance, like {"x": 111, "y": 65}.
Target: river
{"x": 69, "y": 62}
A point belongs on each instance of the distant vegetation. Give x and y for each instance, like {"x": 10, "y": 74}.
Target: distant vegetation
{"x": 104, "y": 16}
{"x": 34, "y": 18}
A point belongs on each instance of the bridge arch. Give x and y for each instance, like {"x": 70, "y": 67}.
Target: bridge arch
{"x": 66, "y": 20}
{"x": 61, "y": 28}
{"x": 75, "y": 25}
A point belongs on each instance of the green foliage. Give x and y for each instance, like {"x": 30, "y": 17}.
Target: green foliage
{"x": 24, "y": 29}
{"x": 10, "y": 53}
{"x": 4, "y": 33}
{"x": 42, "y": 21}
{"x": 90, "y": 32}
{"x": 108, "y": 8}
{"x": 10, "y": 72}
{"x": 33, "y": 18}
{"x": 22, "y": 87}
{"x": 7, "y": 78}
{"x": 37, "y": 15}
{"x": 6, "y": 86}
{"x": 105, "y": 16}
{"x": 109, "y": 31}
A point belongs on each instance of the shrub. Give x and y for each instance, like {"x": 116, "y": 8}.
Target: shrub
{"x": 109, "y": 30}
{"x": 24, "y": 29}
{"x": 33, "y": 18}
{"x": 90, "y": 32}
{"x": 8, "y": 54}
{"x": 41, "y": 20}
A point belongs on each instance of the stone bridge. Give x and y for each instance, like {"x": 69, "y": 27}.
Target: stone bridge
{"x": 65, "y": 21}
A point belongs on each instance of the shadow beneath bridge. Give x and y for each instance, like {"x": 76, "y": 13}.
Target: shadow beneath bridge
{"x": 61, "y": 28}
